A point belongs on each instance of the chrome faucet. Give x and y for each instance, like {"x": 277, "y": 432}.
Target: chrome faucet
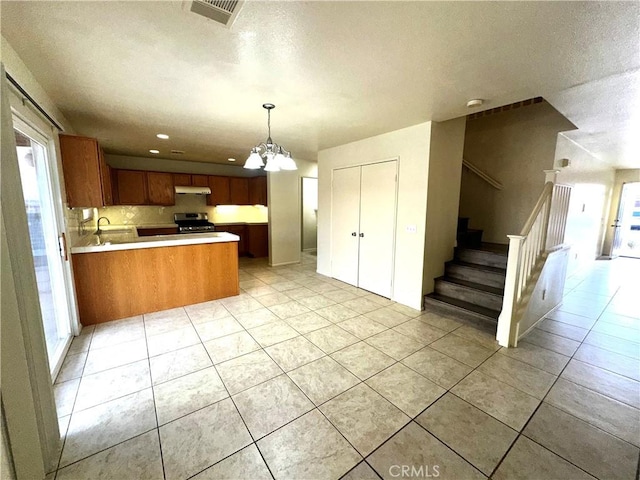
{"x": 98, "y": 232}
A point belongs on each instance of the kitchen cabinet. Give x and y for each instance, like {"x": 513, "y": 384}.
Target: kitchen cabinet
{"x": 220, "y": 193}
{"x": 200, "y": 180}
{"x": 160, "y": 189}
{"x": 187, "y": 180}
{"x": 135, "y": 187}
{"x": 258, "y": 191}
{"x": 239, "y": 190}
{"x": 363, "y": 226}
{"x": 239, "y": 230}
{"x": 152, "y": 231}
{"x": 86, "y": 175}
{"x": 257, "y": 239}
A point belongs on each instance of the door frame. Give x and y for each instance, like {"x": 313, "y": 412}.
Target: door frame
{"x": 302, "y": 179}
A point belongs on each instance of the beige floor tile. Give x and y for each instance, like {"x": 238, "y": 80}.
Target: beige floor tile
{"x": 206, "y": 312}
{"x": 272, "y": 299}
{"x": 621, "y": 320}
{"x": 593, "y": 450}
{"x": 135, "y": 458}
{"x": 323, "y": 379}
{"x": 437, "y": 367}
{"x": 612, "y": 416}
{"x": 300, "y": 292}
{"x": 108, "y": 424}
{"x": 361, "y": 305}
{"x": 165, "y": 321}
{"x": 337, "y": 313}
{"x": 289, "y": 309}
{"x": 248, "y": 370}
{"x": 627, "y": 333}
{"x": 108, "y": 334}
{"x": 485, "y": 336}
{"x": 285, "y": 286}
{"x": 113, "y": 383}
{"x": 364, "y": 417}
{"x": 330, "y": 339}
{"x": 502, "y": 401}
{"x": 72, "y": 367}
{"x": 395, "y": 344}
{"x": 339, "y": 295}
{"x": 420, "y": 331}
{"x": 613, "y": 344}
{"x": 538, "y": 357}
{"x": 309, "y": 447}
{"x": 81, "y": 343}
{"x": 242, "y": 305}
{"x": 115, "y": 356}
{"x": 550, "y": 341}
{"x": 231, "y": 346}
{"x": 273, "y": 333}
{"x": 200, "y": 439}
{"x": 271, "y": 404}
{"x": 178, "y": 363}
{"x": 316, "y": 302}
{"x": 520, "y": 375}
{"x": 414, "y": 447}
{"x": 388, "y": 316}
{"x": 439, "y": 320}
{"x": 476, "y": 436}
{"x": 166, "y": 342}
{"x": 308, "y": 322}
{"x": 362, "y": 359}
{"x": 362, "y": 327}
{"x": 294, "y": 353}
{"x": 408, "y": 311}
{"x": 406, "y": 389}
{"x": 466, "y": 351}
{"x": 184, "y": 395}
{"x": 620, "y": 364}
{"x": 218, "y": 328}
{"x": 571, "y": 319}
{"x": 258, "y": 291}
{"x": 65, "y": 396}
{"x": 247, "y": 463}
{"x": 563, "y": 329}
{"x": 256, "y": 318}
{"x": 602, "y": 381}
{"x": 528, "y": 460}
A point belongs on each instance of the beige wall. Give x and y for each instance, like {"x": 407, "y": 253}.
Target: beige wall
{"x": 514, "y": 147}
{"x": 592, "y": 181}
{"x": 285, "y": 217}
{"x": 411, "y": 147}
{"x": 443, "y": 195}
{"x": 621, "y": 177}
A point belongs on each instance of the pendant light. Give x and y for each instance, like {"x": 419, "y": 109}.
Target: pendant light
{"x": 275, "y": 156}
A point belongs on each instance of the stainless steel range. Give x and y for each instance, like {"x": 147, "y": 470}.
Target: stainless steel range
{"x": 193, "y": 223}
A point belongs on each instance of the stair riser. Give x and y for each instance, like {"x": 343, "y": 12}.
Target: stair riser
{"x": 462, "y": 272}
{"x": 480, "y": 257}
{"x": 459, "y": 313}
{"x": 471, "y": 295}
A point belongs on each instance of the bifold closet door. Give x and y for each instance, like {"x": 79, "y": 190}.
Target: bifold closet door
{"x": 377, "y": 227}
{"x": 345, "y": 221}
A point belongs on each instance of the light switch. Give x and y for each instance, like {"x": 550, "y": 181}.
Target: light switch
{"x": 412, "y": 229}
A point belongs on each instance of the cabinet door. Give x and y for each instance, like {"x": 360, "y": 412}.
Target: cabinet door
{"x": 105, "y": 174}
{"x": 182, "y": 179}
{"x": 239, "y": 189}
{"x": 239, "y": 230}
{"x": 81, "y": 170}
{"x": 160, "y": 189}
{"x": 220, "y": 194}
{"x": 377, "y": 227}
{"x": 258, "y": 240}
{"x": 345, "y": 224}
{"x": 200, "y": 180}
{"x": 258, "y": 191}
{"x": 130, "y": 187}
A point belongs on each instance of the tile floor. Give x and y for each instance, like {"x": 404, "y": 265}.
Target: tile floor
{"x": 304, "y": 377}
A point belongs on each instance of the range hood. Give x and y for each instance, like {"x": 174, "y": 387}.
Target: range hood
{"x": 193, "y": 190}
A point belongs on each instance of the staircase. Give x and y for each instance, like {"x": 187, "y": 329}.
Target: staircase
{"x": 473, "y": 283}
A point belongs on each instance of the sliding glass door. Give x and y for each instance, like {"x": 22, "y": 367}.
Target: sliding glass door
{"x": 37, "y": 174}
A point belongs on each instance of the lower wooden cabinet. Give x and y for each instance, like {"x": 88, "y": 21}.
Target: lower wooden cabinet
{"x": 239, "y": 230}
{"x": 254, "y": 238}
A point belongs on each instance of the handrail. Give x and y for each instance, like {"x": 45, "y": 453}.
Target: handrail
{"x": 543, "y": 231}
{"x": 546, "y": 192}
{"x": 486, "y": 177}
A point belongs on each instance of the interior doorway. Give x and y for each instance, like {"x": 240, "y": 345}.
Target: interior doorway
{"x": 38, "y": 177}
{"x": 626, "y": 236}
{"x": 309, "y": 214}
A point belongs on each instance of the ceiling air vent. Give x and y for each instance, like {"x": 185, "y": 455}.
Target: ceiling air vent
{"x": 177, "y": 152}
{"x": 221, "y": 11}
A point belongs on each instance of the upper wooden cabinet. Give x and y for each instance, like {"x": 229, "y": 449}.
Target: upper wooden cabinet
{"x": 220, "y": 193}
{"x": 258, "y": 191}
{"x": 200, "y": 180}
{"x": 135, "y": 187}
{"x": 86, "y": 175}
{"x": 186, "y": 180}
{"x": 239, "y": 190}
{"x": 160, "y": 189}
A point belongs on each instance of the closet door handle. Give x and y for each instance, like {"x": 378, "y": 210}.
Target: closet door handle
{"x": 353, "y": 234}
{"x": 362, "y": 235}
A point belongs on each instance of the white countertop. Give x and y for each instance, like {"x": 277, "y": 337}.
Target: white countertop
{"x": 128, "y": 239}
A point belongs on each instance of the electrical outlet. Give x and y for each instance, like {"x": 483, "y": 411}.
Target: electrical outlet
{"x": 412, "y": 229}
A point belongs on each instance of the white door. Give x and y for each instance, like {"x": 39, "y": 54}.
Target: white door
{"x": 377, "y": 227}
{"x": 345, "y": 220}
{"x": 38, "y": 175}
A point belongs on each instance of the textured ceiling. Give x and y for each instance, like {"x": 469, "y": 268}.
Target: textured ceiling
{"x": 337, "y": 71}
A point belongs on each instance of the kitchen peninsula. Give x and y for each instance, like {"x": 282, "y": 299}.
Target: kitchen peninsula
{"x": 120, "y": 274}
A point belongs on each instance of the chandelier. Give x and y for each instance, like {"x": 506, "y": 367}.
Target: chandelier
{"x": 276, "y": 157}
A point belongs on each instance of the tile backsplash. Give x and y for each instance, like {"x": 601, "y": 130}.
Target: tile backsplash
{"x": 150, "y": 215}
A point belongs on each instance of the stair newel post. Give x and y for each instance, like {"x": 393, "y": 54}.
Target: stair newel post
{"x": 507, "y": 333}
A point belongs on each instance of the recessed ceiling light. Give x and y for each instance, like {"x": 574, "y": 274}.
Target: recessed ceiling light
{"x": 231, "y": 159}
{"x": 476, "y": 102}
{"x": 163, "y": 136}
{"x": 154, "y": 151}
